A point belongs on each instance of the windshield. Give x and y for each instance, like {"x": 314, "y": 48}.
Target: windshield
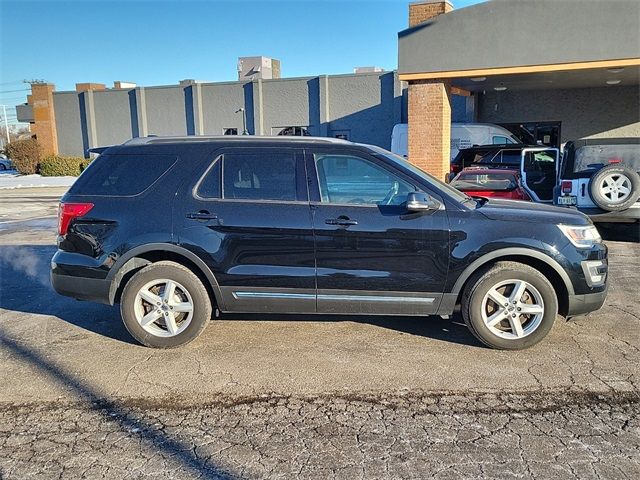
{"x": 478, "y": 181}
{"x": 437, "y": 184}
{"x": 591, "y": 158}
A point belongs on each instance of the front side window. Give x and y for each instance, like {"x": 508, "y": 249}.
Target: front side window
{"x": 351, "y": 180}
{"x": 260, "y": 176}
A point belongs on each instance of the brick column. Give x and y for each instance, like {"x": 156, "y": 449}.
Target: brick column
{"x": 422, "y": 11}
{"x": 44, "y": 122}
{"x": 429, "y": 139}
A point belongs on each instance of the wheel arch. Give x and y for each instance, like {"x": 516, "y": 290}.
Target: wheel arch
{"x": 143, "y": 255}
{"x": 543, "y": 263}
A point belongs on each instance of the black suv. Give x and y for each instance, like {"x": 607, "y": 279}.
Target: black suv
{"x": 172, "y": 228}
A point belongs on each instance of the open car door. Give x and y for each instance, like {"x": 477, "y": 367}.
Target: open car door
{"x": 539, "y": 170}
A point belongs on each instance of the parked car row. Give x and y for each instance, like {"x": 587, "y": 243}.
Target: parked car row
{"x": 599, "y": 177}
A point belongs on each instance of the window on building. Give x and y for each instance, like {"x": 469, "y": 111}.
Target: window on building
{"x": 294, "y": 132}
{"x": 346, "y": 179}
{"x": 230, "y": 131}
{"x": 260, "y": 176}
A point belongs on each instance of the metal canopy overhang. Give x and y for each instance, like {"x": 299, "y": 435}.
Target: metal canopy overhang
{"x": 526, "y": 45}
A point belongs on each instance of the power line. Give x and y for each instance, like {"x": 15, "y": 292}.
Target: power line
{"x": 13, "y": 91}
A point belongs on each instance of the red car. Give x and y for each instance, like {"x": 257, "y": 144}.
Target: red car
{"x": 490, "y": 182}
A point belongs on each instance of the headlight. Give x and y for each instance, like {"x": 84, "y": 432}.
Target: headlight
{"x": 582, "y": 236}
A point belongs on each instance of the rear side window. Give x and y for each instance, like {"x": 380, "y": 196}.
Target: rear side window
{"x": 260, "y": 176}
{"x": 122, "y": 175}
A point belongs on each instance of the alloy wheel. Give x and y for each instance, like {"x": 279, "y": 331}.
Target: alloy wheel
{"x": 512, "y": 309}
{"x": 163, "y": 308}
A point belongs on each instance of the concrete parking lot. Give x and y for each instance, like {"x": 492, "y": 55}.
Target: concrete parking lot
{"x": 318, "y": 397}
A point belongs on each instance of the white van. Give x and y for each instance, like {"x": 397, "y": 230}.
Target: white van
{"x": 463, "y": 135}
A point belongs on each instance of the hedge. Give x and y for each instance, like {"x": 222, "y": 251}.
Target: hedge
{"x": 56, "y": 166}
{"x": 25, "y": 155}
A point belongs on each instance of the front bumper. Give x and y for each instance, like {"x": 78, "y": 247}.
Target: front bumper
{"x": 581, "y": 304}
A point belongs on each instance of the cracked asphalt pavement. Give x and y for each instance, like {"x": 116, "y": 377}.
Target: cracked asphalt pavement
{"x": 274, "y": 396}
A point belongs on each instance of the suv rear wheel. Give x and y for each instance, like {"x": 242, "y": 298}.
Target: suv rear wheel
{"x": 511, "y": 306}
{"x": 165, "y": 305}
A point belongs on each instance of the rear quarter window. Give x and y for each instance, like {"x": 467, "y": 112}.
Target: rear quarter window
{"x": 122, "y": 174}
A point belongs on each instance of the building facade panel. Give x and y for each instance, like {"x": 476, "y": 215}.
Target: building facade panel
{"x": 288, "y": 103}
{"x": 69, "y": 123}
{"x": 220, "y": 101}
{"x": 113, "y": 116}
{"x": 363, "y": 107}
{"x": 168, "y": 110}
{"x": 584, "y": 112}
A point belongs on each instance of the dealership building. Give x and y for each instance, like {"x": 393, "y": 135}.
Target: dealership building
{"x": 562, "y": 70}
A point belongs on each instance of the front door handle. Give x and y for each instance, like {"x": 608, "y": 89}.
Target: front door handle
{"x": 342, "y": 221}
{"x": 202, "y": 215}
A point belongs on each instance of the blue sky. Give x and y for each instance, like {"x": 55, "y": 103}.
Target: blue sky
{"x": 161, "y": 42}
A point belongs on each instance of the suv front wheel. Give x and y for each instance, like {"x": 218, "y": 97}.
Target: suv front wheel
{"x": 510, "y": 306}
{"x": 165, "y": 305}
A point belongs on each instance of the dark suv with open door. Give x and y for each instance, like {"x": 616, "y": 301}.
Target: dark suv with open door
{"x": 173, "y": 228}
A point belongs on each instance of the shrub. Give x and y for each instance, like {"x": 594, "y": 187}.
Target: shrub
{"x": 25, "y": 155}
{"x": 57, "y": 166}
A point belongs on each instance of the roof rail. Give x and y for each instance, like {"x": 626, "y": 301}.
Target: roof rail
{"x": 232, "y": 138}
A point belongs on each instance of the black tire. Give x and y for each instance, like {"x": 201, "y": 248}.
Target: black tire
{"x": 478, "y": 287}
{"x": 187, "y": 279}
{"x": 605, "y": 203}
{"x": 2, "y": 167}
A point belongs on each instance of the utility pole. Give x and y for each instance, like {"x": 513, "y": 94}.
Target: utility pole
{"x": 6, "y": 123}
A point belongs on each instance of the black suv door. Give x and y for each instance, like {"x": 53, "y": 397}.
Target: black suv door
{"x": 247, "y": 216}
{"x": 372, "y": 255}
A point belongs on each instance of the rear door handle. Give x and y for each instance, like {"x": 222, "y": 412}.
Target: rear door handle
{"x": 342, "y": 221}
{"x": 202, "y": 215}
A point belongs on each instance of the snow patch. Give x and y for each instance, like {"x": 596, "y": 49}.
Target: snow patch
{"x": 10, "y": 180}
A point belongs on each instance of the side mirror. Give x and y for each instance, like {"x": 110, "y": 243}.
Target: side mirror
{"x": 421, "y": 202}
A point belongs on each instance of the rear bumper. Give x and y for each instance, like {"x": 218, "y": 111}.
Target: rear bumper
{"x": 581, "y": 304}
{"x": 92, "y": 289}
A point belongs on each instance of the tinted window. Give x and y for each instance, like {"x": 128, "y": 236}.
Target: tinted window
{"x": 122, "y": 175}
{"x": 210, "y": 185}
{"x": 511, "y": 157}
{"x": 472, "y": 157}
{"x": 591, "y": 158}
{"x": 496, "y": 181}
{"x": 347, "y": 179}
{"x": 260, "y": 176}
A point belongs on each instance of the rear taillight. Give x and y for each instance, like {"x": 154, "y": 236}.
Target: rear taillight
{"x": 69, "y": 211}
{"x": 566, "y": 186}
{"x": 456, "y": 168}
